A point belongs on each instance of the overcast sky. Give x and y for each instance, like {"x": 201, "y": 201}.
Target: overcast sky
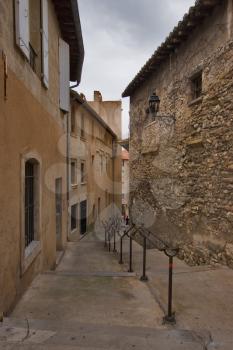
{"x": 119, "y": 37}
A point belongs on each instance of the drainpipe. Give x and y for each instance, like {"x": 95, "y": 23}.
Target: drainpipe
{"x": 68, "y": 172}
{"x": 75, "y": 85}
{"x": 113, "y": 169}
{"x": 68, "y": 162}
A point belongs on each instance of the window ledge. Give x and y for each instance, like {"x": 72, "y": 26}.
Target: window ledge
{"x": 83, "y": 138}
{"x": 74, "y": 186}
{"x": 83, "y": 183}
{"x": 31, "y": 252}
{"x": 196, "y": 101}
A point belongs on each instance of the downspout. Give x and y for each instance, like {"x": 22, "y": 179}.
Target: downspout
{"x": 68, "y": 171}
{"x": 68, "y": 162}
{"x": 113, "y": 172}
{"x": 75, "y": 85}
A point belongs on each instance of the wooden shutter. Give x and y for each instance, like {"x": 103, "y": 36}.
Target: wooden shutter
{"x": 22, "y": 26}
{"x": 45, "y": 43}
{"x": 64, "y": 68}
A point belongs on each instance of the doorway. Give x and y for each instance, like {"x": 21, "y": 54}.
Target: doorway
{"x": 83, "y": 217}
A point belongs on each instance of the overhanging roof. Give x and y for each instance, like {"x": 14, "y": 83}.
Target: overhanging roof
{"x": 179, "y": 34}
{"x": 68, "y": 17}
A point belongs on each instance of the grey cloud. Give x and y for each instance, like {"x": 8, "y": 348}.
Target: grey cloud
{"x": 119, "y": 36}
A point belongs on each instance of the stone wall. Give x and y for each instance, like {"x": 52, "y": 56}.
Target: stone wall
{"x": 181, "y": 165}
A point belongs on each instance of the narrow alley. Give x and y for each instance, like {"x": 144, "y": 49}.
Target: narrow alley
{"x": 92, "y": 302}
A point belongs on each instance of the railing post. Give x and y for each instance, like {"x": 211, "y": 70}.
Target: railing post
{"x": 121, "y": 251}
{"x": 105, "y": 237}
{"x": 114, "y": 241}
{"x": 170, "y": 317}
{"x": 109, "y": 242}
{"x": 130, "y": 254}
{"x": 144, "y": 277}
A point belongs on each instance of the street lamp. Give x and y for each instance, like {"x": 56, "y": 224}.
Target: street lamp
{"x": 154, "y": 103}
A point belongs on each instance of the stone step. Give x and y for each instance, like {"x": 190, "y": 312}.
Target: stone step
{"x": 91, "y": 274}
{"x": 49, "y": 335}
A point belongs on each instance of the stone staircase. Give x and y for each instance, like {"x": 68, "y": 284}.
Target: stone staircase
{"x": 65, "y": 335}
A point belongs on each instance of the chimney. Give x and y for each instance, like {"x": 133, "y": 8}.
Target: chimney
{"x": 98, "y": 96}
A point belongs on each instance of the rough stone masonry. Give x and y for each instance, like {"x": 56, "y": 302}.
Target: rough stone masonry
{"x": 181, "y": 162}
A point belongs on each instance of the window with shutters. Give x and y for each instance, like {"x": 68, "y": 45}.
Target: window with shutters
{"x": 35, "y": 37}
{"x": 22, "y": 26}
{"x": 31, "y": 31}
{"x": 45, "y": 42}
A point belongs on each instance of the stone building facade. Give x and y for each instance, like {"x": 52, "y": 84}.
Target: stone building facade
{"x": 41, "y": 50}
{"x": 125, "y": 183}
{"x": 181, "y": 161}
{"x": 95, "y": 165}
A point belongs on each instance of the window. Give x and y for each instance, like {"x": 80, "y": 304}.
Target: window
{"x": 73, "y": 172}
{"x": 22, "y": 25}
{"x": 29, "y": 202}
{"x": 92, "y": 159}
{"x": 74, "y": 219}
{"x": 35, "y": 37}
{"x": 196, "y": 85}
{"x": 82, "y": 126}
{"x": 31, "y": 29}
{"x": 83, "y": 172}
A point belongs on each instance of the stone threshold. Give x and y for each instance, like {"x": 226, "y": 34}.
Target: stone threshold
{"x": 91, "y": 274}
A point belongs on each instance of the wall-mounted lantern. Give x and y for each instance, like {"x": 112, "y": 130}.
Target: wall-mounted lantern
{"x": 154, "y": 103}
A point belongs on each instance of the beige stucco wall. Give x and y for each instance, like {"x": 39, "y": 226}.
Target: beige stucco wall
{"x": 110, "y": 112}
{"x": 105, "y": 184}
{"x": 30, "y": 123}
{"x": 180, "y": 165}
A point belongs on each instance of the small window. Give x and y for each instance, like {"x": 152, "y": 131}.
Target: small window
{"x": 92, "y": 159}
{"x": 82, "y": 172}
{"x": 196, "y": 82}
{"x": 82, "y": 126}
{"x": 30, "y": 200}
{"x": 74, "y": 211}
{"x": 73, "y": 172}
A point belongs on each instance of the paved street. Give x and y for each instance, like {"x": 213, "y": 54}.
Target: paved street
{"x": 92, "y": 302}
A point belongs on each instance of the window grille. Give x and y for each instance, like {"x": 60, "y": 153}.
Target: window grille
{"x": 29, "y": 203}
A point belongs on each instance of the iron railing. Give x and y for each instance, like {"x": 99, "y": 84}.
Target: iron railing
{"x": 114, "y": 226}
